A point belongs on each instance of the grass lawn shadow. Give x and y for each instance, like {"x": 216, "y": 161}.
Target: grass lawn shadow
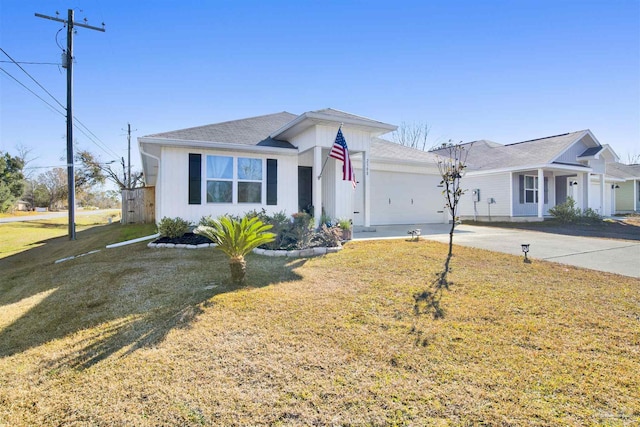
{"x": 116, "y": 300}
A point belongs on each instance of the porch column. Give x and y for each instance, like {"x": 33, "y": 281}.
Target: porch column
{"x": 316, "y": 187}
{"x": 540, "y": 193}
{"x": 602, "y": 195}
{"x": 366, "y": 190}
{"x": 636, "y": 196}
{"x": 586, "y": 182}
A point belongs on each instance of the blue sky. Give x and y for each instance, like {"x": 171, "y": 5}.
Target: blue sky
{"x": 507, "y": 71}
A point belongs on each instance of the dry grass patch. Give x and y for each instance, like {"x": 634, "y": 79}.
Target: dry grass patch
{"x": 134, "y": 336}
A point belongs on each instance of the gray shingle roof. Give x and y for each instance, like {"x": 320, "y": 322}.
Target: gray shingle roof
{"x": 383, "y": 149}
{"x": 251, "y": 131}
{"x": 486, "y": 155}
{"x": 338, "y": 115}
{"x": 620, "y": 170}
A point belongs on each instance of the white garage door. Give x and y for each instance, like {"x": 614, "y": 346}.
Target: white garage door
{"x": 403, "y": 198}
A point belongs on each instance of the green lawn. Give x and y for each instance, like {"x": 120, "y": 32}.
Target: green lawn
{"x": 138, "y": 336}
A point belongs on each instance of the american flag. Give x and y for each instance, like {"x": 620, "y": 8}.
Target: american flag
{"x": 340, "y": 152}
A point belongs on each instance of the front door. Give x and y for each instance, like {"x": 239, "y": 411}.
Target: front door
{"x": 305, "y": 189}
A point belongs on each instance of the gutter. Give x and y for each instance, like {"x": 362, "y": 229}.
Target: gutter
{"x": 217, "y": 145}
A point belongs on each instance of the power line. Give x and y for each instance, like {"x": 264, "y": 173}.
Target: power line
{"x": 35, "y": 94}
{"x": 99, "y": 144}
{"x": 31, "y": 77}
{"x": 32, "y": 63}
{"x": 104, "y": 147}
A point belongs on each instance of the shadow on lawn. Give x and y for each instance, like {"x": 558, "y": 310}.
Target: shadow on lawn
{"x": 116, "y": 300}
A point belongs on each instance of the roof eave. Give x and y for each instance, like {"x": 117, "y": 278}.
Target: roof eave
{"x": 576, "y": 168}
{"x": 166, "y": 142}
{"x": 298, "y": 124}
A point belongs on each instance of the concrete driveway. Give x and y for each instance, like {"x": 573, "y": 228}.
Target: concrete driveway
{"x": 614, "y": 256}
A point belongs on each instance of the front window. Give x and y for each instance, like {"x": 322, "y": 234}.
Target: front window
{"x": 530, "y": 189}
{"x": 219, "y": 179}
{"x": 249, "y": 180}
{"x": 222, "y": 178}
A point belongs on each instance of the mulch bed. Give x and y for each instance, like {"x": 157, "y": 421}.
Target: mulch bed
{"x": 186, "y": 239}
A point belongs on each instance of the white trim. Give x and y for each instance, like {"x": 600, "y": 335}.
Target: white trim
{"x": 218, "y": 146}
{"x": 511, "y": 194}
{"x": 319, "y": 118}
{"x": 547, "y": 167}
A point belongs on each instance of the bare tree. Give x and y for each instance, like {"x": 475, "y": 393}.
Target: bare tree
{"x": 632, "y": 158}
{"x": 412, "y": 135}
{"x": 101, "y": 171}
{"x": 451, "y": 165}
{"x": 451, "y": 162}
{"x": 53, "y": 183}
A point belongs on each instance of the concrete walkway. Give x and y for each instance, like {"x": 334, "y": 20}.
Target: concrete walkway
{"x": 614, "y": 256}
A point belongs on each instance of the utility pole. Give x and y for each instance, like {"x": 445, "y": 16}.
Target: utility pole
{"x": 71, "y": 182}
{"x": 129, "y": 156}
{"x": 127, "y": 177}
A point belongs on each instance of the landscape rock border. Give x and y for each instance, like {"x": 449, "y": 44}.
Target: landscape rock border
{"x": 298, "y": 253}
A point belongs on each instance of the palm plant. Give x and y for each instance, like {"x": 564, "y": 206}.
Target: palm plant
{"x": 237, "y": 238}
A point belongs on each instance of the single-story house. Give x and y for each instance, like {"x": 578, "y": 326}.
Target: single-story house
{"x": 627, "y": 189}
{"x": 522, "y": 181}
{"x": 280, "y": 162}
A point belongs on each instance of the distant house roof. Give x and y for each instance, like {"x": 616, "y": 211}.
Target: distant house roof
{"x": 250, "y": 131}
{"x": 486, "y": 155}
{"x": 620, "y": 170}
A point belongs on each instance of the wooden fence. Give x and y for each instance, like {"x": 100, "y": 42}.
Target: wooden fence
{"x": 138, "y": 206}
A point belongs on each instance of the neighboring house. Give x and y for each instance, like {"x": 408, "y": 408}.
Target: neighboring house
{"x": 522, "y": 181}
{"x": 279, "y": 162}
{"x": 22, "y": 205}
{"x": 626, "y": 191}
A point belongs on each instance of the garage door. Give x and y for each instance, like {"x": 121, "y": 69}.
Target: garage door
{"x": 402, "y": 198}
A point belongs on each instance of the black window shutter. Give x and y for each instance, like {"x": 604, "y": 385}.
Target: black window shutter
{"x": 546, "y": 190}
{"x": 521, "y": 181}
{"x": 195, "y": 179}
{"x": 272, "y": 181}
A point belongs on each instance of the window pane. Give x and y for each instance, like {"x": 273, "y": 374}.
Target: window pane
{"x": 219, "y": 191}
{"x": 250, "y": 169}
{"x": 249, "y": 192}
{"x": 529, "y": 196}
{"x": 220, "y": 167}
{"x": 528, "y": 182}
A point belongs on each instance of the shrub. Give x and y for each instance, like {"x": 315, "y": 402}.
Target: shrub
{"x": 344, "y": 223}
{"x": 236, "y": 239}
{"x": 327, "y": 236}
{"x": 589, "y": 215}
{"x": 566, "y": 212}
{"x": 301, "y": 230}
{"x": 173, "y": 227}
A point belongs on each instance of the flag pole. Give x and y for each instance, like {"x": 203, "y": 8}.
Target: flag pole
{"x": 327, "y": 158}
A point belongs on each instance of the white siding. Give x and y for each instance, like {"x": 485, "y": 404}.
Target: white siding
{"x": 324, "y": 136}
{"x": 494, "y": 187}
{"x": 173, "y": 186}
{"x": 305, "y": 140}
{"x": 574, "y": 151}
